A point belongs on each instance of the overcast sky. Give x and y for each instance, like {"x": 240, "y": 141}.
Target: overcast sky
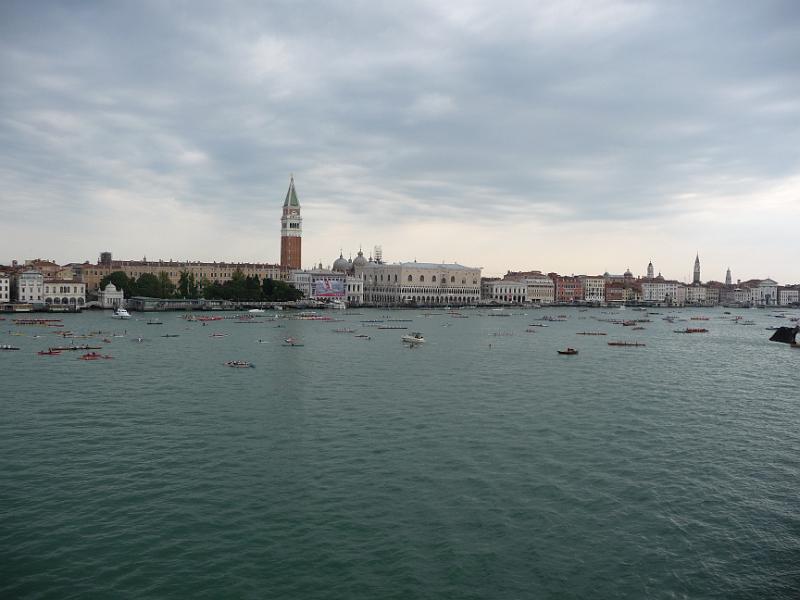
{"x": 579, "y": 137}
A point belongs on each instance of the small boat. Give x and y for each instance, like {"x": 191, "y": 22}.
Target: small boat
{"x": 568, "y": 351}
{"x": 290, "y": 341}
{"x": 239, "y": 364}
{"x": 94, "y": 356}
{"x": 628, "y": 344}
{"x": 170, "y": 335}
{"x": 106, "y": 341}
{"x": 256, "y": 310}
{"x": 362, "y": 336}
{"x": 344, "y": 330}
{"x": 692, "y": 330}
{"x": 8, "y": 347}
{"x": 154, "y": 322}
{"x": 218, "y": 335}
{"x": 121, "y": 313}
{"x": 591, "y": 333}
{"x": 413, "y": 338}
{"x": 49, "y": 352}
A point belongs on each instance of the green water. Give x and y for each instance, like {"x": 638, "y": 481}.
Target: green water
{"x": 479, "y": 465}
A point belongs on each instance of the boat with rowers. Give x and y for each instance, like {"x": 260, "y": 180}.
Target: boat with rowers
{"x": 628, "y": 344}
{"x": 692, "y": 330}
{"x": 49, "y": 352}
{"x": 8, "y": 347}
{"x": 95, "y": 356}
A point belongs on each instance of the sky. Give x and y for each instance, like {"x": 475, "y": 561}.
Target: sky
{"x": 578, "y": 137}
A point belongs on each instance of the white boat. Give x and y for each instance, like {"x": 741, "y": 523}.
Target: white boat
{"x": 413, "y": 338}
{"x": 121, "y": 313}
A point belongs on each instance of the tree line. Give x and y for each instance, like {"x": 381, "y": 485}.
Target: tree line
{"x": 240, "y": 287}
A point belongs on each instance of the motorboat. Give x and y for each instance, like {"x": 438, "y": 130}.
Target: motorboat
{"x": 8, "y": 347}
{"x": 413, "y": 338}
{"x": 568, "y": 351}
{"x": 121, "y": 313}
{"x": 290, "y": 341}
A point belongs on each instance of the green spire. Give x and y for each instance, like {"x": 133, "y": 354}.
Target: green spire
{"x": 291, "y": 195}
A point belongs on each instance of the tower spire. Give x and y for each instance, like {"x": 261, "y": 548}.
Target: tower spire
{"x": 291, "y": 229}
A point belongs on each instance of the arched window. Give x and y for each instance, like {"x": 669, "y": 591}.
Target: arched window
{"x": 409, "y": 277}
{"x": 433, "y": 279}
{"x": 452, "y": 279}
{"x": 422, "y": 277}
{"x": 463, "y": 282}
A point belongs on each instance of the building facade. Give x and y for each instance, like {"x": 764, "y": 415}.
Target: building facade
{"x": 110, "y": 296}
{"x": 214, "y": 272}
{"x": 5, "y": 288}
{"x": 325, "y": 285}
{"x": 540, "y": 288}
{"x": 65, "y": 292}
{"x": 568, "y": 288}
{"x": 30, "y": 287}
{"x": 505, "y": 291}
{"x": 291, "y": 230}
{"x": 594, "y": 288}
{"x": 420, "y": 283}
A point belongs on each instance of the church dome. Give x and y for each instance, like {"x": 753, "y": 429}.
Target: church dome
{"x": 341, "y": 264}
{"x": 110, "y": 287}
{"x": 360, "y": 261}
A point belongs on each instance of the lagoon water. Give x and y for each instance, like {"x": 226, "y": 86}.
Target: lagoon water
{"x": 475, "y": 466}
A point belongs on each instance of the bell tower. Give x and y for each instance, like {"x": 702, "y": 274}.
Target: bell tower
{"x": 291, "y": 230}
{"x": 696, "y": 269}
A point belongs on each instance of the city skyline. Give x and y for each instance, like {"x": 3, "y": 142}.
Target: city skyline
{"x": 554, "y": 137}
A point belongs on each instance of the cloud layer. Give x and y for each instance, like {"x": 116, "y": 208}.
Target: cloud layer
{"x": 570, "y": 136}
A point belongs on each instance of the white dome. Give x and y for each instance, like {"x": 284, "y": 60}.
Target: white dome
{"x": 110, "y": 287}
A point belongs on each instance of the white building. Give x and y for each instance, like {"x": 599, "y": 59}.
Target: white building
{"x": 64, "y": 291}
{"x": 30, "y": 286}
{"x": 325, "y": 285}
{"x": 541, "y": 289}
{"x": 696, "y": 294}
{"x": 420, "y": 283}
{"x": 504, "y": 290}
{"x": 765, "y": 293}
{"x": 594, "y": 288}
{"x": 788, "y": 296}
{"x": 5, "y": 288}
{"x": 110, "y": 297}
{"x": 660, "y": 290}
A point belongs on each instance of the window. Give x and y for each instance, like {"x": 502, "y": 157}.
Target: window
{"x": 452, "y": 279}
{"x": 409, "y": 278}
{"x": 433, "y": 280}
{"x": 422, "y": 277}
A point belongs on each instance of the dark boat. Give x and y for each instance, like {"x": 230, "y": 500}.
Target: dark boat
{"x": 568, "y": 351}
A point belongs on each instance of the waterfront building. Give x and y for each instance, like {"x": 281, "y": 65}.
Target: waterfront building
{"x": 696, "y": 279}
{"x": 660, "y": 290}
{"x": 540, "y": 288}
{"x": 212, "y": 272}
{"x": 503, "y": 290}
{"x": 49, "y": 269}
{"x": 30, "y": 287}
{"x": 594, "y": 288}
{"x": 64, "y": 292}
{"x": 110, "y": 296}
{"x": 327, "y": 285}
{"x": 741, "y": 295}
{"x": 789, "y": 295}
{"x": 764, "y": 293}
{"x": 5, "y": 288}
{"x": 714, "y": 292}
{"x": 568, "y": 288}
{"x": 291, "y": 230}
{"x": 419, "y": 283}
{"x": 696, "y": 294}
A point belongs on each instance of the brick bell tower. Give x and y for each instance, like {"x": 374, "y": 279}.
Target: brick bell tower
{"x": 291, "y": 230}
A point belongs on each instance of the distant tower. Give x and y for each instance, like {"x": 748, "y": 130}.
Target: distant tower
{"x": 291, "y": 229}
{"x": 696, "y": 269}
{"x": 650, "y": 270}
{"x": 378, "y": 254}
{"x": 728, "y": 277}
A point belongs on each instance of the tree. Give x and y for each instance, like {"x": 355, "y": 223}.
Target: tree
{"x": 187, "y": 285}
{"x": 121, "y": 281}
{"x": 166, "y": 289}
{"x": 148, "y": 285}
